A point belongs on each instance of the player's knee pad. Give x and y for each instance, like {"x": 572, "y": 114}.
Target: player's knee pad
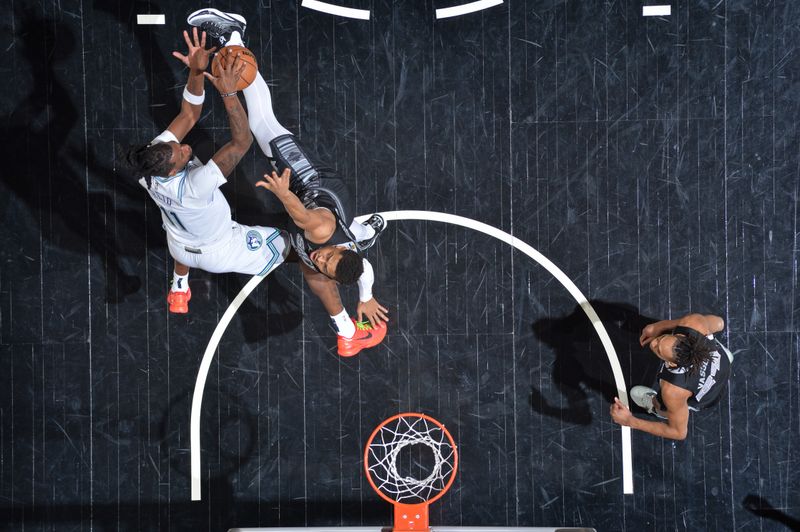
{"x": 289, "y": 153}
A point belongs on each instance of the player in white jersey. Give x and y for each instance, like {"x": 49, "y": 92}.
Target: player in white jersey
{"x": 195, "y": 214}
{"x": 327, "y": 241}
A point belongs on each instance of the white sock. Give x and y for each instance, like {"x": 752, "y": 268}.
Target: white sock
{"x": 235, "y": 40}
{"x": 343, "y": 324}
{"x": 361, "y": 232}
{"x": 180, "y": 283}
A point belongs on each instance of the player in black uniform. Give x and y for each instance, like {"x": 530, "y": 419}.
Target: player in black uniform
{"x": 328, "y": 242}
{"x": 693, "y": 376}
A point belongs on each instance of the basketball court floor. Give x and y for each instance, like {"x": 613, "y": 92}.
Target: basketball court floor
{"x": 576, "y": 170}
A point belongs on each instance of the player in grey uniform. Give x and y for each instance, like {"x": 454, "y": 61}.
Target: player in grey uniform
{"x": 328, "y": 242}
{"x": 693, "y": 376}
{"x": 195, "y": 214}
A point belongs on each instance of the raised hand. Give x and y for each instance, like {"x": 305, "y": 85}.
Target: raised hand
{"x": 197, "y": 56}
{"x": 229, "y": 75}
{"x": 277, "y": 184}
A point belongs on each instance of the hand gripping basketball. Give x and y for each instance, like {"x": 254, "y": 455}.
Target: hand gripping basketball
{"x": 245, "y": 61}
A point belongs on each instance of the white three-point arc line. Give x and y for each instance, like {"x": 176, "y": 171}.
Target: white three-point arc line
{"x": 364, "y": 14}
{"x": 555, "y": 271}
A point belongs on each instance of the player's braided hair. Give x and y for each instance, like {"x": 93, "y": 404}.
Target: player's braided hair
{"x": 349, "y": 268}
{"x": 692, "y": 351}
{"x": 146, "y": 161}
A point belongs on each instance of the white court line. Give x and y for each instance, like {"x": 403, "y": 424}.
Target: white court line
{"x": 463, "y": 9}
{"x": 202, "y": 374}
{"x": 333, "y": 9}
{"x": 656, "y": 11}
{"x": 150, "y": 19}
{"x": 555, "y": 271}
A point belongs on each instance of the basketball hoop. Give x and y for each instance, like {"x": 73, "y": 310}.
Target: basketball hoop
{"x": 387, "y": 476}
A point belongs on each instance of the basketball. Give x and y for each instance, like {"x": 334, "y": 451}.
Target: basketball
{"x": 251, "y": 65}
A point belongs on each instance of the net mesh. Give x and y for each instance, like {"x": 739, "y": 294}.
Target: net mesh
{"x": 385, "y": 449}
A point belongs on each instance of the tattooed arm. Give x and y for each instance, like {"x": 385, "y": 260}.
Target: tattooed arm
{"x": 230, "y": 154}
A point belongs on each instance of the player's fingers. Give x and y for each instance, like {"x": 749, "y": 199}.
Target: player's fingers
{"x": 233, "y": 64}
{"x": 187, "y": 39}
{"x": 241, "y": 68}
{"x": 180, "y": 56}
{"x": 262, "y": 184}
{"x": 383, "y": 308}
{"x": 203, "y": 40}
{"x": 196, "y": 37}
{"x": 210, "y": 77}
{"x": 212, "y": 49}
{"x": 286, "y": 174}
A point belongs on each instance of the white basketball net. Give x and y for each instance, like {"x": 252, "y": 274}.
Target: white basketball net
{"x": 385, "y": 449}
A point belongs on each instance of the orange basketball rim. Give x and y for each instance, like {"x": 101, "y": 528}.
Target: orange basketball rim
{"x": 409, "y": 495}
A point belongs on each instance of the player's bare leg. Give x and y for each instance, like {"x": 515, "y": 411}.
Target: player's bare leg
{"x": 327, "y": 291}
{"x": 181, "y": 269}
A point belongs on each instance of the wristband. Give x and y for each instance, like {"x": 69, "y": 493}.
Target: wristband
{"x": 193, "y": 98}
{"x": 227, "y": 94}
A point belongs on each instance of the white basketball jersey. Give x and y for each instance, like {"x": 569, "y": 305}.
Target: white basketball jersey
{"x": 193, "y": 210}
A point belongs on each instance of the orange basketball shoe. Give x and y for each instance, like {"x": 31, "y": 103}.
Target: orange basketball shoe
{"x": 179, "y": 301}
{"x": 366, "y": 336}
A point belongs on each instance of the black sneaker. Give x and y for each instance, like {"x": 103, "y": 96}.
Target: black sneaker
{"x": 377, "y": 222}
{"x": 218, "y": 25}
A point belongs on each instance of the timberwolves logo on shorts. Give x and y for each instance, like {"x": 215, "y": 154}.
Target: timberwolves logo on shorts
{"x": 253, "y": 240}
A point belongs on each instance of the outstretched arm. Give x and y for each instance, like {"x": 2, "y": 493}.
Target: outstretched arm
{"x": 193, "y": 95}
{"x": 677, "y": 425}
{"x": 231, "y": 153}
{"x": 318, "y": 224}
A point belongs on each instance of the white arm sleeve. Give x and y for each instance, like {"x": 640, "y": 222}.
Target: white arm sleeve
{"x": 365, "y": 282}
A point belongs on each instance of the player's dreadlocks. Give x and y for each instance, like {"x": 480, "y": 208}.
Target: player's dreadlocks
{"x": 146, "y": 161}
{"x": 692, "y": 351}
{"x": 349, "y": 268}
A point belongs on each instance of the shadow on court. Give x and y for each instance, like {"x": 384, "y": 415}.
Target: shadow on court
{"x": 582, "y": 367}
{"x": 762, "y": 508}
{"x": 48, "y": 176}
{"x": 230, "y": 441}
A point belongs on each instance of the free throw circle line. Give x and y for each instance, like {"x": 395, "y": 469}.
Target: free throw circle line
{"x": 566, "y": 282}
{"x": 431, "y": 216}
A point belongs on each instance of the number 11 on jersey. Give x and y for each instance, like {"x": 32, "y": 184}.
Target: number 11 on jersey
{"x": 173, "y": 218}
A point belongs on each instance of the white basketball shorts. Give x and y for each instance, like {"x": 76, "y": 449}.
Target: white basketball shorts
{"x": 251, "y": 250}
